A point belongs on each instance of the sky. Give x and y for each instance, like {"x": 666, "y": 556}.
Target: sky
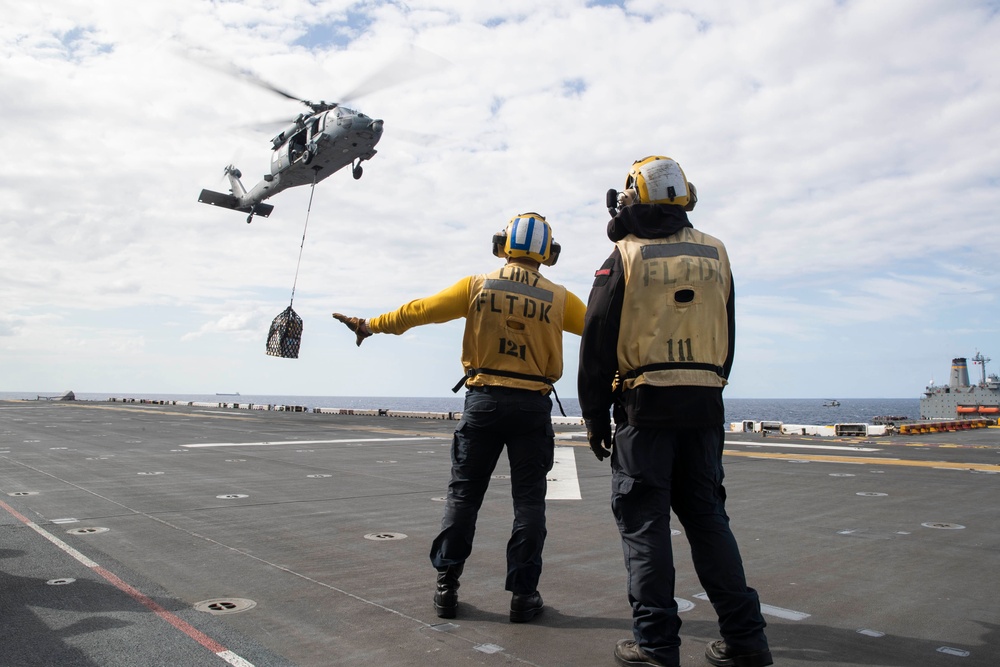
{"x": 847, "y": 152}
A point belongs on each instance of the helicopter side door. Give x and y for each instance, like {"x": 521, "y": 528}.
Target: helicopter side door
{"x": 292, "y": 150}
{"x": 299, "y": 146}
{"x": 280, "y": 160}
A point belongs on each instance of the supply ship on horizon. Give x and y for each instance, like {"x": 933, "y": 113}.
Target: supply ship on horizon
{"x": 959, "y": 398}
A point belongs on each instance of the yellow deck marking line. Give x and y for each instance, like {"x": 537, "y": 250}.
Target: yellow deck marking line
{"x": 986, "y": 467}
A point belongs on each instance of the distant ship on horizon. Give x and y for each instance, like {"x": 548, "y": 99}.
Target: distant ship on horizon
{"x": 959, "y": 398}
{"x": 233, "y": 394}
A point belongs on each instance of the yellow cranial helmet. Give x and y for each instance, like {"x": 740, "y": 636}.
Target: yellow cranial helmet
{"x": 659, "y": 180}
{"x": 527, "y": 235}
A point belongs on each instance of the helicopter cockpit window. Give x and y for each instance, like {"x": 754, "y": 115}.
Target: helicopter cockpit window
{"x": 345, "y": 117}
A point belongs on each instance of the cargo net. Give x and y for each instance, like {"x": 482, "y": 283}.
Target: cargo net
{"x": 285, "y": 335}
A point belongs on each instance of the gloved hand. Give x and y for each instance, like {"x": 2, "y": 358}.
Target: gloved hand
{"x": 599, "y": 437}
{"x": 355, "y": 324}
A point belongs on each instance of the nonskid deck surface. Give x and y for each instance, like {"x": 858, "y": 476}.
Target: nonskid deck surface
{"x": 312, "y": 532}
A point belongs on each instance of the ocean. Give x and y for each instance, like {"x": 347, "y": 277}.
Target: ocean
{"x": 787, "y": 410}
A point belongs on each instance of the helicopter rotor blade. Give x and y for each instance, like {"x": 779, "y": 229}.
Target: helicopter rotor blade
{"x": 254, "y": 79}
{"x": 409, "y": 64}
{"x": 213, "y": 61}
{"x": 250, "y": 77}
{"x": 267, "y": 125}
{"x": 406, "y": 66}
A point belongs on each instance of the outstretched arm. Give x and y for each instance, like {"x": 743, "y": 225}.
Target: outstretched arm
{"x": 448, "y": 304}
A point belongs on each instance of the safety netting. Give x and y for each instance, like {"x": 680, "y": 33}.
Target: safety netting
{"x": 285, "y": 336}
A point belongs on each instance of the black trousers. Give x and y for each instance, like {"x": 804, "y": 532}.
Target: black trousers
{"x": 493, "y": 418}
{"x": 653, "y": 471}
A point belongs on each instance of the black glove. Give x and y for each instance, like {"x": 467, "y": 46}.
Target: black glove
{"x": 355, "y": 324}
{"x": 599, "y": 437}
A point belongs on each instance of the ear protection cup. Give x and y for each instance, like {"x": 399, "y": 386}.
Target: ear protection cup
{"x": 692, "y": 197}
{"x": 553, "y": 254}
{"x": 628, "y": 197}
{"x": 499, "y": 241}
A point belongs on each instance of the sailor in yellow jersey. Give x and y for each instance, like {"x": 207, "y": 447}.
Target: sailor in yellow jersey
{"x": 511, "y": 355}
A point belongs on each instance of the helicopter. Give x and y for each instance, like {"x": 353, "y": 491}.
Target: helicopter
{"x": 312, "y": 147}
{"x": 320, "y": 142}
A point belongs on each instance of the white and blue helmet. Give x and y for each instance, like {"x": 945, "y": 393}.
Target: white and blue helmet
{"x": 527, "y": 235}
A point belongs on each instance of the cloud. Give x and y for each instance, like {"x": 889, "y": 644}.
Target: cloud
{"x": 9, "y": 326}
{"x": 238, "y": 325}
{"x": 846, "y": 152}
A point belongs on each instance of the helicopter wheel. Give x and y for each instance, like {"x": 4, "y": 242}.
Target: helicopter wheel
{"x": 307, "y": 155}
{"x": 357, "y": 172}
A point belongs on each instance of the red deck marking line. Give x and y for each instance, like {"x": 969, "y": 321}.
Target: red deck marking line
{"x": 113, "y": 579}
{"x": 172, "y": 619}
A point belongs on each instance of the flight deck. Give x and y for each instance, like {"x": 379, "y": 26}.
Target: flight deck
{"x": 143, "y": 534}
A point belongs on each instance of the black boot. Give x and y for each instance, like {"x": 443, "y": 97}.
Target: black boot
{"x": 446, "y": 597}
{"x": 720, "y": 654}
{"x": 524, "y": 607}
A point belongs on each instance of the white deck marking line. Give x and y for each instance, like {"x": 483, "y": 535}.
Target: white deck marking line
{"x": 113, "y": 579}
{"x": 565, "y": 484}
{"x": 789, "y": 614}
{"x": 234, "y": 660}
{"x": 306, "y": 442}
{"x": 794, "y": 446}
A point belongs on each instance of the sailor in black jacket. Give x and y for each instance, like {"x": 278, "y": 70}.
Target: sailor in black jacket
{"x": 661, "y": 406}
{"x": 657, "y": 346}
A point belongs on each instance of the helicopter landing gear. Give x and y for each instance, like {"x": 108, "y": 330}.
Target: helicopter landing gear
{"x": 253, "y": 209}
{"x": 357, "y": 171}
{"x": 307, "y": 154}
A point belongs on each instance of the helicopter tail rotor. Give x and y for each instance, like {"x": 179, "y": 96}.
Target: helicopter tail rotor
{"x": 235, "y": 185}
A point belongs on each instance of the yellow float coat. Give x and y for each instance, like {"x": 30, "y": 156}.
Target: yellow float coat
{"x": 674, "y": 328}
{"x": 514, "y": 322}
